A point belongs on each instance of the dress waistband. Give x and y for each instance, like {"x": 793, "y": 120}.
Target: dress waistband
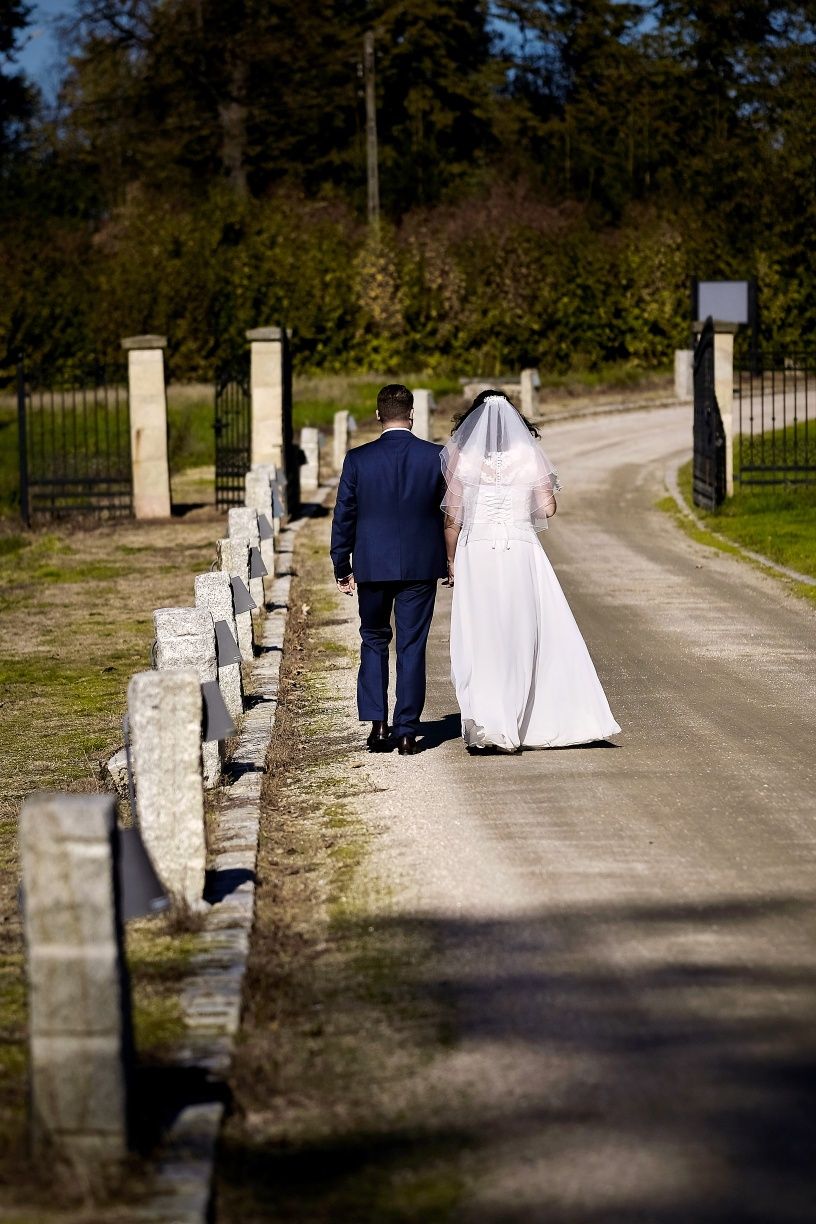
{"x": 498, "y": 534}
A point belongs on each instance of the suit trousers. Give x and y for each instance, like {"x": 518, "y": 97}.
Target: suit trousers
{"x": 412, "y": 604}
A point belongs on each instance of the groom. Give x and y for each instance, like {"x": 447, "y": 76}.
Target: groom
{"x": 387, "y": 543}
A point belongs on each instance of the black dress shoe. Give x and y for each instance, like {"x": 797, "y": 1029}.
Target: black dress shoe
{"x": 406, "y": 745}
{"x": 379, "y": 739}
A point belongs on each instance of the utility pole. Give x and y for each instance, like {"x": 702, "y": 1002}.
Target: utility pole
{"x": 372, "y": 165}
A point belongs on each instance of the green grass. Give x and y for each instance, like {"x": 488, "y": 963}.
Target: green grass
{"x": 612, "y": 376}
{"x": 778, "y": 521}
{"x": 317, "y": 399}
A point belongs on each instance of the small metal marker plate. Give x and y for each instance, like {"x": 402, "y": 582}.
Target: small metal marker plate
{"x": 241, "y": 598}
{"x": 226, "y": 645}
{"x": 217, "y": 722}
{"x": 141, "y": 890}
{"x": 265, "y": 528}
{"x": 257, "y": 569}
{"x": 277, "y": 504}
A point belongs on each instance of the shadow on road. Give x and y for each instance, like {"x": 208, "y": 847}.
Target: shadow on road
{"x": 609, "y": 1064}
{"x": 440, "y": 731}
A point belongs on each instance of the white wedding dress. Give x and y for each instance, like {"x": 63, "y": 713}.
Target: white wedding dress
{"x": 522, "y": 673}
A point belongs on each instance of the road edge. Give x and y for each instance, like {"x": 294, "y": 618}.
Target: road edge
{"x": 744, "y": 554}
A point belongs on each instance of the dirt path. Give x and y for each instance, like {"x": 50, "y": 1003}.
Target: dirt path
{"x": 615, "y": 944}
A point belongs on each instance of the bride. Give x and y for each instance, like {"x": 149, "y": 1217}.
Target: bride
{"x": 522, "y": 673}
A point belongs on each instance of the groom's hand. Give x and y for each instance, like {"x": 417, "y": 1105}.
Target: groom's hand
{"x": 347, "y": 585}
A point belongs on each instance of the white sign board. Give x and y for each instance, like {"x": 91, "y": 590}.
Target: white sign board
{"x": 725, "y": 301}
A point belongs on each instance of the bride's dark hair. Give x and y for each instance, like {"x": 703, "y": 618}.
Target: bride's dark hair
{"x": 477, "y": 403}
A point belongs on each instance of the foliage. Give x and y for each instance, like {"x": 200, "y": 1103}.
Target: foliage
{"x": 550, "y": 180}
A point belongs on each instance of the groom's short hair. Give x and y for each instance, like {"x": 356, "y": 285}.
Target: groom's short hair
{"x": 394, "y": 403}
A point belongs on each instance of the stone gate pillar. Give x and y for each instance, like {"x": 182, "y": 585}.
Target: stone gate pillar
{"x": 724, "y": 390}
{"x": 148, "y": 426}
{"x": 267, "y": 377}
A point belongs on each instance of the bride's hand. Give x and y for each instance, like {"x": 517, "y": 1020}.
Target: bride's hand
{"x": 449, "y": 580}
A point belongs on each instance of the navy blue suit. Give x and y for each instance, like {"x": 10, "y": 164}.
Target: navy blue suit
{"x": 387, "y": 531}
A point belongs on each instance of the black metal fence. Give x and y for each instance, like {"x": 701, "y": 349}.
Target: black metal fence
{"x": 74, "y": 442}
{"x": 776, "y": 402}
{"x": 709, "y": 433}
{"x": 233, "y": 434}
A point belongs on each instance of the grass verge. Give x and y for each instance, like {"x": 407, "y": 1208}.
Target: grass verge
{"x": 335, "y": 1029}
{"x": 76, "y": 623}
{"x": 777, "y": 521}
{"x": 779, "y": 524}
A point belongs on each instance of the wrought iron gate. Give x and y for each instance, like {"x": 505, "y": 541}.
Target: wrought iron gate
{"x": 776, "y": 393}
{"x": 233, "y": 434}
{"x": 74, "y": 442}
{"x": 709, "y": 434}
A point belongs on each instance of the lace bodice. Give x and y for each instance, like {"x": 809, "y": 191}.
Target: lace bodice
{"x": 502, "y": 505}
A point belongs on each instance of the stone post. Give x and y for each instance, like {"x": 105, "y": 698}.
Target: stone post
{"x": 684, "y": 374}
{"x": 79, "y": 1001}
{"x": 310, "y": 470}
{"x": 242, "y": 524}
{"x": 148, "y": 426}
{"x": 164, "y": 710}
{"x": 214, "y": 593}
{"x": 259, "y": 498}
{"x": 267, "y": 379}
{"x": 530, "y": 382}
{"x": 341, "y": 438}
{"x": 233, "y": 560}
{"x": 185, "y": 638}
{"x": 423, "y": 407}
{"x": 724, "y": 390}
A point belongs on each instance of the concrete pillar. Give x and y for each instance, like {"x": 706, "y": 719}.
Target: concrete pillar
{"x": 530, "y": 383}
{"x": 684, "y": 374}
{"x": 423, "y": 407}
{"x": 310, "y": 470}
{"x": 148, "y": 426}
{"x": 233, "y": 560}
{"x": 724, "y": 390}
{"x": 242, "y": 524}
{"x": 164, "y": 710}
{"x": 214, "y": 593}
{"x": 267, "y": 385}
{"x": 341, "y": 438}
{"x": 79, "y": 1003}
{"x": 185, "y": 638}
{"x": 259, "y": 498}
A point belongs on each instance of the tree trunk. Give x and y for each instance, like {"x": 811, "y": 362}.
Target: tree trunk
{"x": 233, "y": 116}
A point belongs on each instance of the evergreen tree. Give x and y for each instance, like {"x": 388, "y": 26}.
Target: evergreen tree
{"x": 16, "y": 95}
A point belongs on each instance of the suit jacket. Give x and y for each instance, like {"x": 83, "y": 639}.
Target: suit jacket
{"x": 387, "y": 521}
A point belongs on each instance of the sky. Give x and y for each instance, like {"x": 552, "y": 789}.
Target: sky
{"x": 40, "y": 56}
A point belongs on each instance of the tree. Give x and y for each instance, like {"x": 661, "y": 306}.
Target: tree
{"x": 16, "y": 96}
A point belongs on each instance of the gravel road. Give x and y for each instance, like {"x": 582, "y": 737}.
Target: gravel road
{"x": 625, "y": 933}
